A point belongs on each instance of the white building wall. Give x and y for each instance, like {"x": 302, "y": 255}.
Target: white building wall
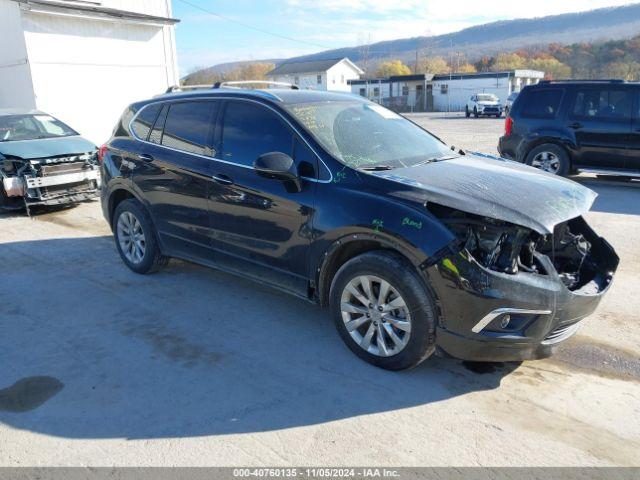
{"x": 306, "y": 81}
{"x": 339, "y": 75}
{"x": 85, "y": 71}
{"x": 459, "y": 91}
{"x": 16, "y": 89}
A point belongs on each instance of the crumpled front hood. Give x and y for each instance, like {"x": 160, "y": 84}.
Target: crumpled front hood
{"x": 46, "y": 147}
{"x": 496, "y": 189}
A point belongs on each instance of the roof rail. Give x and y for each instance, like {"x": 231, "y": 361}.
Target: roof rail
{"x": 178, "y": 88}
{"x": 612, "y": 80}
{"x": 238, "y": 84}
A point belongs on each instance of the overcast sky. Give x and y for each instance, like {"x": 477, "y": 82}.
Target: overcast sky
{"x": 205, "y": 40}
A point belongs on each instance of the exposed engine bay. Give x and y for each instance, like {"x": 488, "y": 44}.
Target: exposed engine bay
{"x": 48, "y": 181}
{"x": 573, "y": 250}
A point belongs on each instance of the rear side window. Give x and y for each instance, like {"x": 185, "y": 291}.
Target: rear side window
{"x": 143, "y": 123}
{"x": 602, "y": 104}
{"x": 250, "y": 130}
{"x": 188, "y": 127}
{"x": 542, "y": 103}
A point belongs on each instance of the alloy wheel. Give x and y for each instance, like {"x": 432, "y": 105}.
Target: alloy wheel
{"x": 131, "y": 237}
{"x": 375, "y": 315}
{"x": 546, "y": 161}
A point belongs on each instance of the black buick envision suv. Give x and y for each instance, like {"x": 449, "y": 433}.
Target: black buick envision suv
{"x": 413, "y": 247}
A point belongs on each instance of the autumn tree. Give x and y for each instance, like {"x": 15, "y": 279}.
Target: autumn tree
{"x": 507, "y": 61}
{"x": 435, "y": 65}
{"x": 554, "y": 70}
{"x": 392, "y": 67}
{"x": 466, "y": 68}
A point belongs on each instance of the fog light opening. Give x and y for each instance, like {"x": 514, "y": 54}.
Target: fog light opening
{"x": 504, "y": 322}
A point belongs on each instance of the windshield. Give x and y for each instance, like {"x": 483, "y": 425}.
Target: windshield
{"x": 31, "y": 127}
{"x": 487, "y": 98}
{"x": 363, "y": 134}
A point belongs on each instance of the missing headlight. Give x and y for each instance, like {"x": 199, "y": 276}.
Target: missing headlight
{"x": 494, "y": 244}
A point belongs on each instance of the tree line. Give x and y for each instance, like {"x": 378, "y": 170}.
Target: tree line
{"x": 618, "y": 59}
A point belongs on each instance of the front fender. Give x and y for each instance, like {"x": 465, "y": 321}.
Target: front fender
{"x": 353, "y": 215}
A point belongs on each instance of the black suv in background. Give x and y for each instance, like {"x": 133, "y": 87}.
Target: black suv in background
{"x": 340, "y": 201}
{"x": 576, "y": 126}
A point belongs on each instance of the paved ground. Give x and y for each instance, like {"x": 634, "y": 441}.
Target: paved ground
{"x": 196, "y": 367}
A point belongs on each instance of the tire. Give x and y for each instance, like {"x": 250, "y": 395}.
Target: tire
{"x": 536, "y": 158}
{"x": 151, "y": 260}
{"x": 467, "y": 112}
{"x": 475, "y": 112}
{"x": 405, "y": 285}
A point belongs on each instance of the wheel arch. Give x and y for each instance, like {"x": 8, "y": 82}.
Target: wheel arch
{"x": 120, "y": 192}
{"x": 350, "y": 246}
{"x": 563, "y": 143}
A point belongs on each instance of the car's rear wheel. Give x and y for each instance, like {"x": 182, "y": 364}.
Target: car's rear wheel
{"x": 549, "y": 158}
{"x": 383, "y": 311}
{"x": 136, "y": 238}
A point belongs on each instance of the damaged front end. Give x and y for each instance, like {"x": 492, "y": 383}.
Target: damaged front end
{"x": 529, "y": 289}
{"x": 49, "y": 181}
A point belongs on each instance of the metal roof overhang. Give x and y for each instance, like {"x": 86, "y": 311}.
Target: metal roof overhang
{"x": 92, "y": 11}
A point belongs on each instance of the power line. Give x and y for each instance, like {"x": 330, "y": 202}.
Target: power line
{"x": 251, "y": 27}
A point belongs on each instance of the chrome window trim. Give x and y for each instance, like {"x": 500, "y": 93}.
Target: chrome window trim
{"x": 181, "y": 100}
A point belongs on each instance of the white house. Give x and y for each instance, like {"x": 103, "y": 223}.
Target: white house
{"x": 333, "y": 74}
{"x": 451, "y": 92}
{"x": 85, "y": 61}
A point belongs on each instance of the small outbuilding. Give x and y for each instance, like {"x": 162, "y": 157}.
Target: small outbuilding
{"x": 332, "y": 75}
{"x": 441, "y": 93}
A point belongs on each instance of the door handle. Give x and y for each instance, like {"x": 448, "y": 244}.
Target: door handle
{"x": 145, "y": 157}
{"x": 576, "y": 126}
{"x": 223, "y": 179}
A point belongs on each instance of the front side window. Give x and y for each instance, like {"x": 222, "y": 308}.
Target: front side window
{"x": 602, "y": 104}
{"x": 188, "y": 127}
{"x": 143, "y": 123}
{"x": 32, "y": 127}
{"x": 319, "y": 79}
{"x": 364, "y": 134}
{"x": 250, "y": 130}
{"x": 542, "y": 104}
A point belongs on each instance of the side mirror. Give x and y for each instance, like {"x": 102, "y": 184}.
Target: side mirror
{"x": 278, "y": 166}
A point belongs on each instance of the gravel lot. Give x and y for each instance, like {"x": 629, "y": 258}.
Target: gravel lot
{"x": 196, "y": 367}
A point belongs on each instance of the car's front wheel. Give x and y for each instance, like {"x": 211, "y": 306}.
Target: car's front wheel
{"x": 136, "y": 238}
{"x": 383, "y": 311}
{"x": 467, "y": 112}
{"x": 475, "y": 112}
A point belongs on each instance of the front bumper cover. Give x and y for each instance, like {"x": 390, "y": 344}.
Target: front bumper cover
{"x": 541, "y": 309}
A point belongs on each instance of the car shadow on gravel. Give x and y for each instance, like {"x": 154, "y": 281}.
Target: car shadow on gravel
{"x": 189, "y": 351}
{"x": 621, "y": 196}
